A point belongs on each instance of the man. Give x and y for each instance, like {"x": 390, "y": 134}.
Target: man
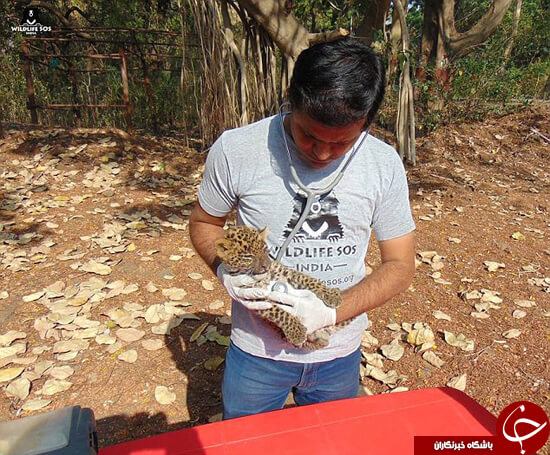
{"x": 335, "y": 92}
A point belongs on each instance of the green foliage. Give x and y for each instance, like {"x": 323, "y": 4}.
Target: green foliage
{"x": 325, "y": 15}
{"x": 52, "y": 82}
{"x": 481, "y": 82}
{"x": 533, "y": 41}
{"x": 12, "y": 90}
{"x": 484, "y": 81}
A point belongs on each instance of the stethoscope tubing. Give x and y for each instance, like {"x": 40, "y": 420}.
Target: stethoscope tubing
{"x": 311, "y": 194}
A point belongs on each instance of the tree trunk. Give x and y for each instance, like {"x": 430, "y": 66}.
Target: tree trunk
{"x": 439, "y": 24}
{"x": 276, "y": 18}
{"x": 441, "y": 40}
{"x": 395, "y": 36}
{"x": 280, "y": 24}
{"x": 405, "y": 125}
{"x": 515, "y": 25}
{"x": 374, "y": 19}
{"x": 430, "y": 30}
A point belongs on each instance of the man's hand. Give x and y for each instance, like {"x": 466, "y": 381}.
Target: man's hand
{"x": 306, "y": 306}
{"x": 251, "y": 298}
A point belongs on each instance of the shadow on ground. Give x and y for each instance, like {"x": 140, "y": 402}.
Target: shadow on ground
{"x": 199, "y": 392}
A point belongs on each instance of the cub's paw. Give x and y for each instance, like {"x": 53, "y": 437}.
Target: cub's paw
{"x": 291, "y": 327}
{"x": 318, "y": 339}
{"x": 332, "y": 298}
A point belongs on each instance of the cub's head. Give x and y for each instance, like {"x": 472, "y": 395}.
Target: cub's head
{"x": 243, "y": 250}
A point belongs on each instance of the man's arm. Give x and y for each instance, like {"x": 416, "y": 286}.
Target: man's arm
{"x": 204, "y": 230}
{"x": 392, "y": 277}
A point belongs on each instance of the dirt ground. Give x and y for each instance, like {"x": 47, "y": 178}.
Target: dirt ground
{"x": 99, "y": 276}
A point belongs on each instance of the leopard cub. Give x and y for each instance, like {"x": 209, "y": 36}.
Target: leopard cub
{"x": 243, "y": 250}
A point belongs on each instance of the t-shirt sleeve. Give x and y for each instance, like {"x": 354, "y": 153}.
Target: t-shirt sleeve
{"x": 216, "y": 192}
{"x": 392, "y": 215}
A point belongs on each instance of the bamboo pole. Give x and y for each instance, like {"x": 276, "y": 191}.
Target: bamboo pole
{"x": 2, "y": 133}
{"x": 125, "y": 90}
{"x": 74, "y": 86}
{"x": 146, "y": 82}
{"x": 71, "y": 106}
{"x": 31, "y": 104}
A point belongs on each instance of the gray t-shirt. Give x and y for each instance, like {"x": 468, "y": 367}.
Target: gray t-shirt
{"x": 248, "y": 167}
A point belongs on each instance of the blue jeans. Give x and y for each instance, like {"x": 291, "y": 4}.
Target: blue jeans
{"x": 254, "y": 384}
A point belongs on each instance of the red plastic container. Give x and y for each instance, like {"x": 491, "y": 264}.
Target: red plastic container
{"x": 378, "y": 425}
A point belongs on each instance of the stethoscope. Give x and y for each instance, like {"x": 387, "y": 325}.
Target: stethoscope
{"x": 313, "y": 196}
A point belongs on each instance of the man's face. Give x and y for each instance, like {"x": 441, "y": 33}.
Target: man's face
{"x": 318, "y": 144}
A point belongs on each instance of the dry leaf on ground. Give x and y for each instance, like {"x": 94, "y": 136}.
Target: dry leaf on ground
{"x": 459, "y": 341}
{"x": 36, "y": 404}
{"x": 19, "y": 388}
{"x": 393, "y": 351}
{"x": 493, "y": 266}
{"x": 105, "y": 339}
{"x": 368, "y": 340}
{"x": 130, "y": 335}
{"x": 33, "y": 297}
{"x": 95, "y": 267}
{"x": 433, "y": 359}
{"x": 10, "y": 336}
{"x": 174, "y": 293}
{"x": 422, "y": 335}
{"x": 62, "y": 372}
{"x": 440, "y": 315}
{"x": 8, "y": 374}
{"x": 458, "y": 382}
{"x": 163, "y": 395}
{"x": 197, "y": 333}
{"x": 152, "y": 345}
{"x": 129, "y": 356}
{"x": 512, "y": 333}
{"x": 216, "y": 305}
{"x": 70, "y": 346}
{"x": 53, "y": 386}
{"x": 213, "y": 363}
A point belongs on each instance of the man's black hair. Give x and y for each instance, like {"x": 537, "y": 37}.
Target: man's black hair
{"x": 338, "y": 82}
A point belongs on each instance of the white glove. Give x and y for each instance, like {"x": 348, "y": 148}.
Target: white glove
{"x": 249, "y": 297}
{"x": 306, "y": 306}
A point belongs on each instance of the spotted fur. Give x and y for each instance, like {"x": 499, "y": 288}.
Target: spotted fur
{"x": 243, "y": 250}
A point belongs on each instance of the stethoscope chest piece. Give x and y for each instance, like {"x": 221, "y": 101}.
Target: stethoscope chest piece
{"x": 316, "y": 206}
{"x": 279, "y": 286}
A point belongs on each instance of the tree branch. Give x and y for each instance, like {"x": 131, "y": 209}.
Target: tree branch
{"x": 327, "y": 36}
{"x": 64, "y": 21}
{"x": 280, "y": 24}
{"x": 462, "y": 44}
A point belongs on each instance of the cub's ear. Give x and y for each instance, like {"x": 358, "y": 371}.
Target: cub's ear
{"x": 263, "y": 233}
{"x": 221, "y": 245}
